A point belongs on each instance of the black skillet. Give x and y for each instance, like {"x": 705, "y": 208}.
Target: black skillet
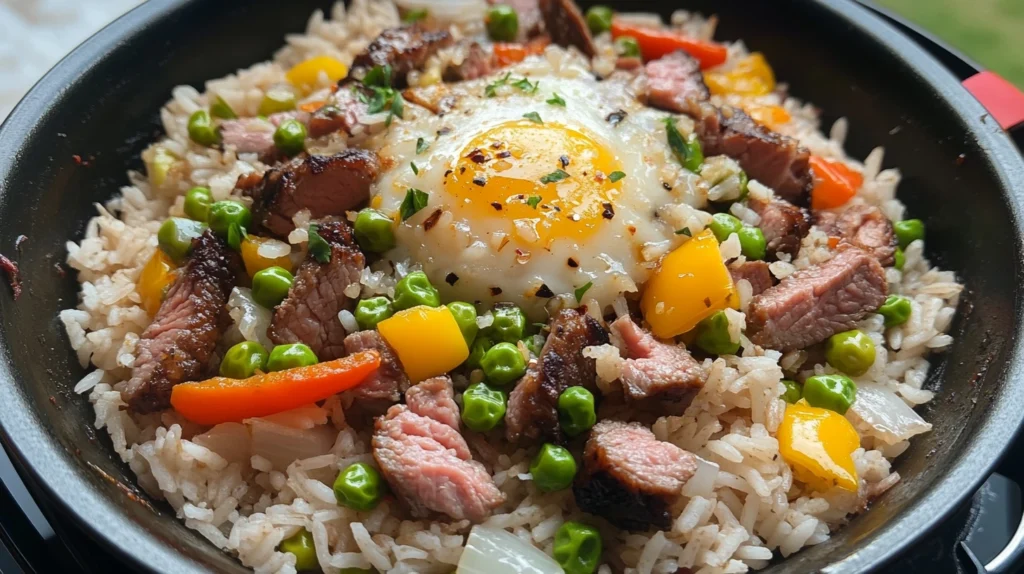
{"x": 962, "y": 175}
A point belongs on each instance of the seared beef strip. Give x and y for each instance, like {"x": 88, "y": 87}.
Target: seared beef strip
{"x": 388, "y": 382}
{"x": 676, "y": 85}
{"x": 180, "y": 341}
{"x": 863, "y": 226}
{"x": 567, "y": 26}
{"x": 755, "y": 272}
{"x": 477, "y": 64}
{"x": 325, "y": 185}
{"x": 249, "y": 135}
{"x": 310, "y": 312}
{"x": 435, "y": 399}
{"x": 784, "y": 225}
{"x": 654, "y": 368}
{"x": 533, "y": 404}
{"x": 404, "y": 49}
{"x": 631, "y": 478}
{"x": 811, "y": 305}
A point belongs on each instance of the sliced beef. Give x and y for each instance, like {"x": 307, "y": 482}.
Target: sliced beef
{"x": 249, "y": 135}
{"x": 755, "y": 272}
{"x": 309, "y": 314}
{"x": 434, "y": 399}
{"x": 428, "y": 464}
{"x": 180, "y": 341}
{"x": 567, "y": 26}
{"x": 631, "y": 478}
{"x": 675, "y": 83}
{"x": 476, "y": 63}
{"x": 863, "y": 226}
{"x": 811, "y": 305}
{"x": 389, "y": 381}
{"x": 654, "y": 368}
{"x": 784, "y": 225}
{"x": 325, "y": 185}
{"x": 533, "y": 404}
{"x": 342, "y": 112}
{"x": 404, "y": 49}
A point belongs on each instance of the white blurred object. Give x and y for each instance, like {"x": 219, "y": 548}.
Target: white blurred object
{"x": 35, "y": 34}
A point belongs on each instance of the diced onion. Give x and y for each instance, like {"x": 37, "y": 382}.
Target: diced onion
{"x": 702, "y": 483}
{"x": 886, "y": 415}
{"x": 274, "y": 248}
{"x": 493, "y": 551}
{"x": 252, "y": 319}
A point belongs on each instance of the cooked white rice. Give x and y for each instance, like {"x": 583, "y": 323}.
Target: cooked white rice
{"x": 246, "y": 487}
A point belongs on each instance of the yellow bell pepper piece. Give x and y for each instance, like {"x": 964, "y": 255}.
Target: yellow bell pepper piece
{"x": 769, "y": 116}
{"x": 254, "y": 262}
{"x": 159, "y": 162}
{"x": 819, "y": 444}
{"x": 691, "y": 284}
{"x": 155, "y": 279}
{"x": 305, "y": 75}
{"x": 752, "y": 76}
{"x": 427, "y": 339}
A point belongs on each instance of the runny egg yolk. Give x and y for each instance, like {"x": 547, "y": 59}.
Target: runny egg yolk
{"x": 543, "y": 181}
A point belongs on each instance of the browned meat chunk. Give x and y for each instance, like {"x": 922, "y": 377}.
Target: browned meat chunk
{"x": 404, "y": 49}
{"x": 811, "y": 305}
{"x": 863, "y": 226}
{"x": 674, "y": 83}
{"x": 342, "y": 112}
{"x": 428, "y": 464}
{"x": 325, "y": 185}
{"x": 249, "y": 135}
{"x": 533, "y": 404}
{"x": 631, "y": 478}
{"x": 180, "y": 341}
{"x": 476, "y": 63}
{"x": 310, "y": 312}
{"x": 567, "y": 26}
{"x": 654, "y": 368}
{"x": 755, "y": 272}
{"x": 434, "y": 399}
{"x": 784, "y": 225}
{"x": 388, "y": 382}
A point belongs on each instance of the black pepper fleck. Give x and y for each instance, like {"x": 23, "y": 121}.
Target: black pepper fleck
{"x": 609, "y": 211}
{"x": 447, "y": 173}
{"x": 564, "y": 160}
{"x": 616, "y": 117}
{"x": 666, "y": 186}
{"x": 495, "y": 291}
{"x": 431, "y": 221}
{"x": 707, "y": 302}
{"x": 545, "y": 291}
{"x": 496, "y": 205}
{"x": 451, "y": 279}
{"x": 462, "y": 170}
{"x": 503, "y": 154}
{"x": 573, "y": 263}
{"x": 444, "y": 131}
{"x": 480, "y": 180}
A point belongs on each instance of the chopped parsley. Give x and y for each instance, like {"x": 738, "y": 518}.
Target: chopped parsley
{"x": 318, "y": 247}
{"x": 413, "y": 16}
{"x": 378, "y": 76}
{"x": 554, "y": 177}
{"x": 581, "y": 291}
{"x": 687, "y": 150}
{"x": 415, "y": 169}
{"x": 492, "y": 89}
{"x": 523, "y": 84}
{"x": 236, "y": 234}
{"x": 414, "y": 201}
{"x": 556, "y": 100}
{"x": 384, "y": 97}
{"x": 526, "y": 86}
{"x": 616, "y": 176}
{"x": 684, "y": 231}
{"x": 533, "y": 117}
{"x": 421, "y": 146}
{"x": 534, "y": 201}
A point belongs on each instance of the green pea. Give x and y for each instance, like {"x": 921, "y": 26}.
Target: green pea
{"x": 465, "y": 316}
{"x": 832, "y": 392}
{"x": 852, "y": 352}
{"x": 230, "y": 219}
{"x": 359, "y": 487}
{"x": 908, "y": 231}
{"x": 899, "y": 259}
{"x": 221, "y": 109}
{"x": 175, "y": 237}
{"x": 415, "y": 289}
{"x": 374, "y": 231}
{"x": 896, "y": 310}
{"x": 577, "y": 548}
{"x": 502, "y": 23}
{"x": 371, "y": 311}
{"x": 270, "y": 286}
{"x": 723, "y": 225}
{"x": 277, "y": 99}
{"x": 477, "y": 351}
{"x": 627, "y": 47}
{"x": 793, "y": 391}
{"x": 483, "y": 407}
{"x": 301, "y": 545}
{"x": 201, "y": 129}
{"x": 290, "y": 137}
{"x": 576, "y": 413}
{"x": 553, "y": 468}
{"x": 713, "y": 335}
{"x": 243, "y": 360}
{"x": 197, "y": 203}
{"x": 284, "y": 357}
{"x": 599, "y": 19}
{"x": 509, "y": 323}
{"x": 752, "y": 243}
{"x": 503, "y": 364}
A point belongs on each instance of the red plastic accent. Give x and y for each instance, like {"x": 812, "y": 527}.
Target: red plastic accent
{"x": 1001, "y": 98}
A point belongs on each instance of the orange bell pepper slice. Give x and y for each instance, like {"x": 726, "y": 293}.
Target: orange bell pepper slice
{"x": 220, "y": 399}
{"x": 656, "y": 43}
{"x": 508, "y": 53}
{"x": 310, "y": 107}
{"x": 834, "y": 183}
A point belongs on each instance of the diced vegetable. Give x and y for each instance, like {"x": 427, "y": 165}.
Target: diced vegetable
{"x": 896, "y": 310}
{"x": 502, "y": 23}
{"x": 230, "y": 219}
{"x": 359, "y": 486}
{"x": 220, "y": 400}
{"x": 832, "y": 392}
{"x": 496, "y": 551}
{"x": 553, "y": 468}
{"x": 159, "y": 165}
{"x": 793, "y": 391}
{"x": 908, "y": 231}
{"x": 627, "y": 47}
{"x": 255, "y": 261}
{"x": 301, "y": 545}
{"x": 834, "y": 183}
{"x": 691, "y": 284}
{"x": 752, "y": 243}
{"x": 819, "y": 444}
{"x": 306, "y": 74}
{"x": 478, "y": 350}
{"x": 576, "y": 410}
{"x": 427, "y": 340}
{"x": 374, "y": 231}
{"x": 243, "y": 360}
{"x": 890, "y": 418}
{"x": 723, "y": 225}
{"x": 465, "y": 316}
{"x": 509, "y": 323}
{"x": 899, "y": 259}
{"x": 416, "y": 289}
{"x": 270, "y": 286}
{"x": 290, "y": 356}
{"x": 713, "y": 335}
{"x": 599, "y": 19}
{"x": 852, "y": 352}
{"x": 251, "y": 318}
{"x": 508, "y": 53}
{"x": 220, "y": 109}
{"x": 290, "y": 137}
{"x": 751, "y": 76}
{"x": 767, "y": 115}
{"x": 371, "y": 311}
{"x": 577, "y": 548}
{"x": 278, "y": 99}
{"x": 688, "y": 151}
{"x": 155, "y": 279}
{"x": 197, "y": 203}
{"x": 503, "y": 363}
{"x": 483, "y": 407}
{"x": 175, "y": 237}
{"x": 656, "y": 43}
{"x": 201, "y": 129}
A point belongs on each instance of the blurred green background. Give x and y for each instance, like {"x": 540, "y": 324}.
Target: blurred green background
{"x": 989, "y": 31}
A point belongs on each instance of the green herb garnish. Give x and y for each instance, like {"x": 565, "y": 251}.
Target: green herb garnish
{"x": 533, "y": 117}
{"x": 413, "y": 16}
{"x": 421, "y": 146}
{"x": 554, "y": 177}
{"x": 616, "y": 176}
{"x": 684, "y": 231}
{"x": 318, "y": 246}
{"x": 556, "y": 100}
{"x": 378, "y": 76}
{"x": 414, "y": 201}
{"x": 687, "y": 150}
{"x": 581, "y": 291}
{"x": 534, "y": 201}
{"x": 415, "y": 169}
